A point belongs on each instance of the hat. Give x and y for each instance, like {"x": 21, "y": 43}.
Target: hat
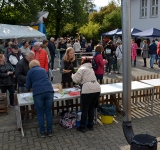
{"x": 15, "y": 46}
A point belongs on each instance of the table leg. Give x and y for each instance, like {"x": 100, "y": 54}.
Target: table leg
{"x": 152, "y": 101}
{"x": 136, "y": 100}
{"x": 20, "y": 121}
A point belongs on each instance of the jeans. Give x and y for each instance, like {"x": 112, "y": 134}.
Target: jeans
{"x": 11, "y": 92}
{"x": 52, "y": 61}
{"x": 43, "y": 103}
{"x": 61, "y": 55}
{"x": 99, "y": 77}
{"x": 152, "y": 58}
{"x": 88, "y": 102}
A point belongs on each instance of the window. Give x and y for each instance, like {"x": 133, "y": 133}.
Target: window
{"x": 143, "y": 8}
{"x": 154, "y": 8}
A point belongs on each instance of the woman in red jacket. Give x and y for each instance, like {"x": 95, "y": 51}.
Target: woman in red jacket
{"x": 99, "y": 72}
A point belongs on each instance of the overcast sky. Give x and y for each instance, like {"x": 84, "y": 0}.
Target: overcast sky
{"x": 101, "y": 3}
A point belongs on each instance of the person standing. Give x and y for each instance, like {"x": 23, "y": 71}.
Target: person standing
{"x": 158, "y": 53}
{"x": 43, "y": 97}
{"x": 134, "y": 48}
{"x": 22, "y": 69}
{"x": 6, "y": 79}
{"x": 67, "y": 66}
{"x": 25, "y": 48}
{"x": 144, "y": 52}
{"x": 2, "y": 44}
{"x": 13, "y": 58}
{"x": 62, "y": 47}
{"x": 109, "y": 51}
{"x": 152, "y": 52}
{"x": 99, "y": 72}
{"x": 40, "y": 55}
{"x": 52, "y": 49}
{"x": 90, "y": 93}
{"x": 119, "y": 57}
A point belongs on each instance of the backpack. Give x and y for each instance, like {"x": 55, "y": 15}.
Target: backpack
{"x": 94, "y": 64}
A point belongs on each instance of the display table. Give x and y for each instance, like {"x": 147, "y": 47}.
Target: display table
{"x": 106, "y": 89}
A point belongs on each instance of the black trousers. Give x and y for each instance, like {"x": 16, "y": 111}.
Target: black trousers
{"x": 11, "y": 92}
{"x": 144, "y": 61}
{"x": 88, "y": 102}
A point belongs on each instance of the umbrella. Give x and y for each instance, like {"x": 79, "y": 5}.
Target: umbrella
{"x": 133, "y": 31}
{"x": 111, "y": 33}
{"x": 153, "y": 32}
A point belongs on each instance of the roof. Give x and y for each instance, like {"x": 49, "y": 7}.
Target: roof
{"x": 16, "y": 31}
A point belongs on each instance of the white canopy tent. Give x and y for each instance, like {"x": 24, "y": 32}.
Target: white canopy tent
{"x": 16, "y": 31}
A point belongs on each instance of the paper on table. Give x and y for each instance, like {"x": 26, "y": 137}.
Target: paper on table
{"x": 71, "y": 89}
{"x": 27, "y": 97}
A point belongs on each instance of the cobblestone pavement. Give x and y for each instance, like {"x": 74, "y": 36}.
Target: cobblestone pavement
{"x": 104, "y": 137}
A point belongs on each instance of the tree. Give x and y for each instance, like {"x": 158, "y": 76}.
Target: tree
{"x": 90, "y": 30}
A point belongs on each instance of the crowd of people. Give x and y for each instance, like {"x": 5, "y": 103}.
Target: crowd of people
{"x": 28, "y": 66}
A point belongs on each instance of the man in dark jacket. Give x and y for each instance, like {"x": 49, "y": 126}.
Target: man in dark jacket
{"x": 22, "y": 69}
{"x": 152, "y": 52}
{"x": 62, "y": 47}
{"x": 52, "y": 48}
{"x": 109, "y": 51}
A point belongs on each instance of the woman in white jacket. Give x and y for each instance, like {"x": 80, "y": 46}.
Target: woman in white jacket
{"x": 77, "y": 46}
{"x": 89, "y": 93}
{"x": 119, "y": 57}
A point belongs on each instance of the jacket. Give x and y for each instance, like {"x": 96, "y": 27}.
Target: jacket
{"x": 24, "y": 50}
{"x": 14, "y": 59}
{"x": 119, "y": 52}
{"x": 43, "y": 59}
{"x": 48, "y": 53}
{"x": 5, "y": 79}
{"x": 100, "y": 62}
{"x": 145, "y": 51}
{"x": 21, "y": 71}
{"x": 153, "y": 48}
{"x": 85, "y": 76}
{"x": 66, "y": 77}
{"x": 62, "y": 46}
{"x": 158, "y": 48}
{"x": 108, "y": 51}
{"x": 51, "y": 48}
{"x": 134, "y": 48}
{"x": 38, "y": 80}
{"x": 76, "y": 46}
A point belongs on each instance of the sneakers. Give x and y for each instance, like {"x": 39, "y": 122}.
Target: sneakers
{"x": 42, "y": 134}
{"x": 50, "y": 134}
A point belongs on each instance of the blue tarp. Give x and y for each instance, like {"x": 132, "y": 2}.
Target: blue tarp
{"x": 133, "y": 31}
{"x": 153, "y": 32}
{"x": 111, "y": 33}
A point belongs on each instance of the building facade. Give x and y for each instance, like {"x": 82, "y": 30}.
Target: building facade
{"x": 145, "y": 14}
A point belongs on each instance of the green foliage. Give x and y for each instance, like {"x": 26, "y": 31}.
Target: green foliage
{"x": 112, "y": 20}
{"x": 90, "y": 30}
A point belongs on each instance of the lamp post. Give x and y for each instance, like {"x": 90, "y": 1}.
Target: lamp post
{"x": 140, "y": 141}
